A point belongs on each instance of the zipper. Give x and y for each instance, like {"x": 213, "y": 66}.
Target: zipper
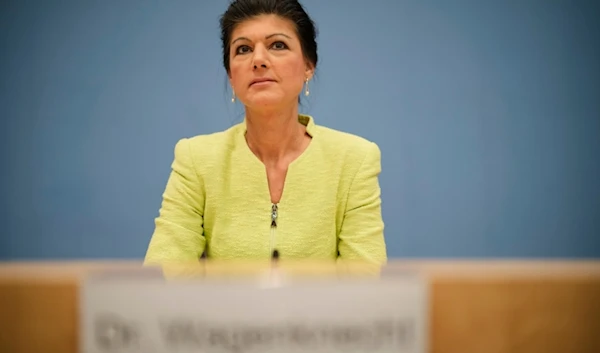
{"x": 274, "y": 214}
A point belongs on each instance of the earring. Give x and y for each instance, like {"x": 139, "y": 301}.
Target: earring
{"x": 306, "y": 91}
{"x": 233, "y": 97}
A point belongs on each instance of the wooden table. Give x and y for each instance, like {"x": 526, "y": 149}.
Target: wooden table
{"x": 476, "y": 306}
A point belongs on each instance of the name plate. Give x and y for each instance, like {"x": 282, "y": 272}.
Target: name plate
{"x": 128, "y": 314}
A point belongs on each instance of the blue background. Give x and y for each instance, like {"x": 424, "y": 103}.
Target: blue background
{"x": 487, "y": 114}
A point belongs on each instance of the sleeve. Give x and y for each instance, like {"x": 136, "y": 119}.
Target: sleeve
{"x": 361, "y": 236}
{"x": 178, "y": 234}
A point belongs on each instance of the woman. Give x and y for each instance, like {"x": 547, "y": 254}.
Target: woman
{"x": 277, "y": 183}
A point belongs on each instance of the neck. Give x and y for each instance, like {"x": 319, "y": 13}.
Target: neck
{"x": 273, "y": 135}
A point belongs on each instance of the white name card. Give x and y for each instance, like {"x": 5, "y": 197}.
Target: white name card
{"x": 152, "y": 315}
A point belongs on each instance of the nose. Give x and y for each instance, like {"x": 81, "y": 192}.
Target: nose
{"x": 260, "y": 58}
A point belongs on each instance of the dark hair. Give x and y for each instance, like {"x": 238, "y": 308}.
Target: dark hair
{"x": 241, "y": 10}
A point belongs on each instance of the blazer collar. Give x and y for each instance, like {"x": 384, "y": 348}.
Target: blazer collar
{"x": 306, "y": 120}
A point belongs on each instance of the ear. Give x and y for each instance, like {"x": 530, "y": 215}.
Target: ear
{"x": 310, "y": 71}
{"x": 230, "y": 80}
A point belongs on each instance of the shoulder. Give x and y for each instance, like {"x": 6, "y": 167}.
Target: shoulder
{"x": 207, "y": 147}
{"x": 214, "y": 141}
{"x": 354, "y": 150}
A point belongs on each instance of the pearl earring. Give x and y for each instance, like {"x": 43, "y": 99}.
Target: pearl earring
{"x": 233, "y": 97}
{"x": 306, "y": 91}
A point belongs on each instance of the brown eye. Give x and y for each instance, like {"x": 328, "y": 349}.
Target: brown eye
{"x": 279, "y": 46}
{"x": 242, "y": 49}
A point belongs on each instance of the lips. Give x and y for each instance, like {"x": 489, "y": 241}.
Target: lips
{"x": 261, "y": 80}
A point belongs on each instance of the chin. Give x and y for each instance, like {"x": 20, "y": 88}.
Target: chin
{"x": 265, "y": 101}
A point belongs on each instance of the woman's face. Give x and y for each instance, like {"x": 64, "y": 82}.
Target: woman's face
{"x": 267, "y": 66}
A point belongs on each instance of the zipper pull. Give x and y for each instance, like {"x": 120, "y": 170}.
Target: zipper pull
{"x": 274, "y": 216}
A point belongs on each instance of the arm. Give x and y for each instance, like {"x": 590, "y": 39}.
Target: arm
{"x": 361, "y": 236}
{"x": 178, "y": 234}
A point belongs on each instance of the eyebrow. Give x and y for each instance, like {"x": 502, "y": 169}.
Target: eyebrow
{"x": 267, "y": 37}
